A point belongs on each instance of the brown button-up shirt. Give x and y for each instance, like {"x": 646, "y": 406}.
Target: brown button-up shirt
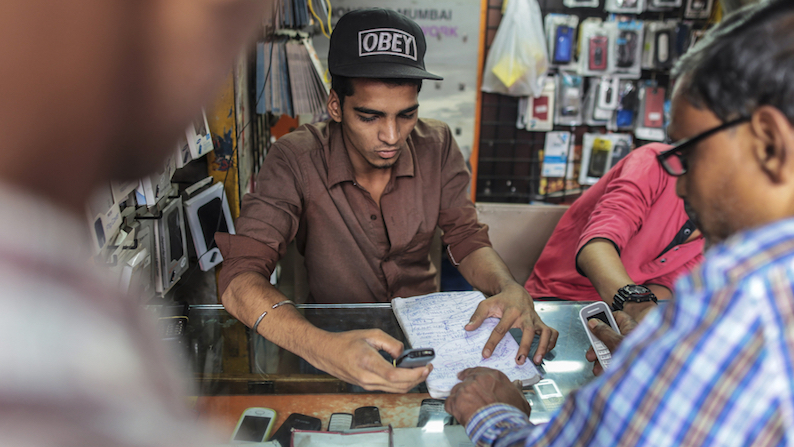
{"x": 354, "y": 251}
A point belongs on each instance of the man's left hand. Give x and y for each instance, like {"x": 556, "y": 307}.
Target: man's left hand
{"x": 515, "y": 309}
{"x": 480, "y": 387}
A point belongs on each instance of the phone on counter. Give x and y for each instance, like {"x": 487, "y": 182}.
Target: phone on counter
{"x": 601, "y": 311}
{"x": 254, "y": 425}
{"x": 598, "y": 53}
{"x": 340, "y": 422}
{"x": 432, "y": 413}
{"x": 364, "y": 417}
{"x": 415, "y": 358}
{"x": 549, "y": 394}
{"x": 295, "y": 421}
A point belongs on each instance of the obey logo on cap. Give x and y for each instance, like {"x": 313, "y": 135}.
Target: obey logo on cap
{"x": 388, "y": 41}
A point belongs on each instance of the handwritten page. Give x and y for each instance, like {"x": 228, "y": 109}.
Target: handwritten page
{"x": 437, "y": 320}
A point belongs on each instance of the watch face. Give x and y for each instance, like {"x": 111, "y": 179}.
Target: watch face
{"x": 635, "y": 289}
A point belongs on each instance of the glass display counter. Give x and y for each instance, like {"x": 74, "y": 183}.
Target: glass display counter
{"x": 225, "y": 358}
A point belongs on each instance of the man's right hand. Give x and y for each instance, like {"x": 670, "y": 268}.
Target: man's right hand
{"x": 353, "y": 357}
{"x": 608, "y": 336}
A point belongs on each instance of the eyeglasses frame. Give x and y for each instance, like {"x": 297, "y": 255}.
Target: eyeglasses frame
{"x": 681, "y": 147}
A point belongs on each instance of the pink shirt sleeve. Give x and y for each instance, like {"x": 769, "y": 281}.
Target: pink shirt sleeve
{"x": 621, "y": 210}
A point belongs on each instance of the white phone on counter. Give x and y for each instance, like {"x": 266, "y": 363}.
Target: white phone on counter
{"x": 254, "y": 425}
{"x": 601, "y": 311}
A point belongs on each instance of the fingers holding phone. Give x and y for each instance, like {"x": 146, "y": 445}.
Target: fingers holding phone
{"x": 353, "y": 357}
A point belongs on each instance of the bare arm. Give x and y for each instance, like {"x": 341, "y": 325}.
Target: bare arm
{"x": 600, "y": 261}
{"x": 509, "y": 301}
{"x": 351, "y": 356}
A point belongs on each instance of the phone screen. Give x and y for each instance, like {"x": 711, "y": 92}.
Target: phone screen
{"x": 601, "y": 316}
{"x": 253, "y": 428}
{"x": 547, "y": 389}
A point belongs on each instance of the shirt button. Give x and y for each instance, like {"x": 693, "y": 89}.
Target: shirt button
{"x": 675, "y": 249}
{"x": 373, "y": 217}
{"x": 663, "y": 260}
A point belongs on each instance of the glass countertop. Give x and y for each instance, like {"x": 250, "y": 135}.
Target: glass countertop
{"x": 225, "y": 358}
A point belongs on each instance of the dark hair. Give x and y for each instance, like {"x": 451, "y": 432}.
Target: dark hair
{"x": 745, "y": 62}
{"x": 343, "y": 85}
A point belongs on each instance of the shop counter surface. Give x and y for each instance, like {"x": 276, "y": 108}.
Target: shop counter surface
{"x": 226, "y": 359}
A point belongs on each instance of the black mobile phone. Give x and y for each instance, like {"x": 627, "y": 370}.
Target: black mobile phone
{"x": 340, "y": 422}
{"x": 414, "y": 358}
{"x": 432, "y": 413}
{"x": 364, "y": 417}
{"x": 295, "y": 421}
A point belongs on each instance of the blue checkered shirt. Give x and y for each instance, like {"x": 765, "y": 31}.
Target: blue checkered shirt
{"x": 714, "y": 368}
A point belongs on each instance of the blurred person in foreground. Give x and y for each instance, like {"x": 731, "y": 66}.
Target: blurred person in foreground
{"x": 715, "y": 367}
{"x": 92, "y": 90}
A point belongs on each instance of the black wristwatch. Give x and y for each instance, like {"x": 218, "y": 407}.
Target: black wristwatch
{"x": 632, "y": 293}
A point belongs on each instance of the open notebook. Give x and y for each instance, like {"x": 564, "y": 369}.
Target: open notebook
{"x": 437, "y": 320}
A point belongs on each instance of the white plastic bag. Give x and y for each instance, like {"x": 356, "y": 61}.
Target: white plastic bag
{"x": 518, "y": 60}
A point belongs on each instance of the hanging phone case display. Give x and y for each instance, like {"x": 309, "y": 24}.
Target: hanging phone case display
{"x": 659, "y": 51}
{"x": 627, "y": 104}
{"x": 597, "y": 39}
{"x": 570, "y": 89}
{"x": 593, "y": 116}
{"x": 625, "y": 6}
{"x": 650, "y": 121}
{"x": 581, "y": 3}
{"x": 628, "y": 49}
{"x": 556, "y": 151}
{"x": 561, "y": 37}
{"x": 540, "y": 111}
{"x": 698, "y": 9}
{"x": 600, "y": 152}
{"x": 663, "y": 5}
{"x": 518, "y": 60}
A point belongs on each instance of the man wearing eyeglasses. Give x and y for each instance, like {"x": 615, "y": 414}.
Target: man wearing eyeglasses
{"x": 625, "y": 241}
{"x": 717, "y": 366}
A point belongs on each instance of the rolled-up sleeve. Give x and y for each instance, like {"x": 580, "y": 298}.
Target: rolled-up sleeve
{"x": 463, "y": 233}
{"x": 268, "y": 219}
{"x": 622, "y": 208}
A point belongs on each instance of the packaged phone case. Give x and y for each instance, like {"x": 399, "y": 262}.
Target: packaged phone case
{"x": 628, "y": 102}
{"x": 593, "y": 116}
{"x": 659, "y": 50}
{"x": 570, "y": 89}
{"x": 628, "y": 49}
{"x": 561, "y": 38}
{"x": 597, "y": 56}
{"x": 650, "y": 123}
{"x": 600, "y": 152}
{"x": 539, "y": 114}
{"x": 580, "y": 3}
{"x": 663, "y": 5}
{"x": 625, "y": 6}
{"x": 698, "y": 9}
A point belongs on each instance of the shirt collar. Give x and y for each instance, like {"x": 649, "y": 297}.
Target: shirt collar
{"x": 340, "y": 168}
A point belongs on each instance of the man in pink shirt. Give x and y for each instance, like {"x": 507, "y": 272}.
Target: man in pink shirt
{"x": 624, "y": 241}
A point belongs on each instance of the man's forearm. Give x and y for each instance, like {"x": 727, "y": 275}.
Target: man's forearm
{"x": 601, "y": 263}
{"x": 250, "y": 294}
{"x": 485, "y": 271}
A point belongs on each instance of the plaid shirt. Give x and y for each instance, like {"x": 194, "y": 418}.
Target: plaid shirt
{"x": 715, "y": 368}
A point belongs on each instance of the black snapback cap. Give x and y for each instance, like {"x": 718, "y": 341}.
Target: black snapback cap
{"x": 378, "y": 43}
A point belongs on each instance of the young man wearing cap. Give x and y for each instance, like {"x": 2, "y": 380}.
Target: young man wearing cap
{"x": 362, "y": 195}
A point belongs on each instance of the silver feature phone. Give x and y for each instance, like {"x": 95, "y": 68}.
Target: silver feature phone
{"x": 340, "y": 422}
{"x": 415, "y": 358}
{"x": 254, "y": 425}
{"x": 548, "y": 393}
{"x": 601, "y": 311}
